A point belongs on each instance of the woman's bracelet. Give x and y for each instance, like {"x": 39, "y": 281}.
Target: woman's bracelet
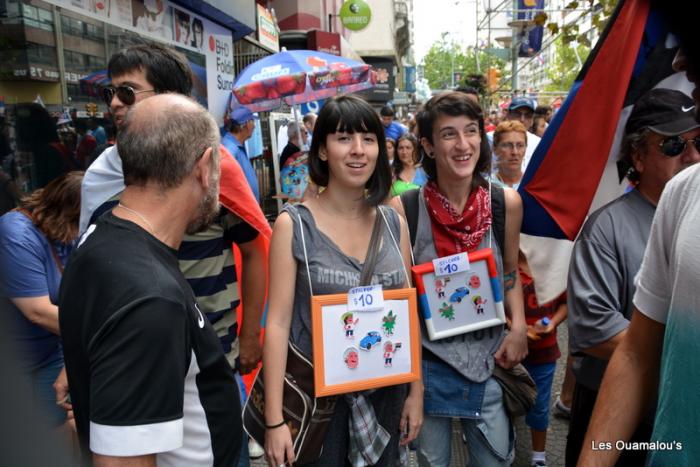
{"x": 272, "y": 427}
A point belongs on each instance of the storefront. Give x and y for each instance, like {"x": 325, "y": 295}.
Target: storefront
{"x": 56, "y": 43}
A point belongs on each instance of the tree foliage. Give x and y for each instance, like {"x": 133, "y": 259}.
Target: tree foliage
{"x": 565, "y": 66}
{"x": 444, "y": 57}
{"x": 601, "y": 10}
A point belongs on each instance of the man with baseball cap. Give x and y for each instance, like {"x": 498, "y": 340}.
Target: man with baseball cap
{"x": 522, "y": 109}
{"x": 661, "y": 138}
{"x": 239, "y": 130}
{"x": 659, "y": 352}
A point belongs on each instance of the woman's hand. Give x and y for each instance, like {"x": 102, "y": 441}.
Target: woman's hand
{"x": 60, "y": 386}
{"x": 513, "y": 349}
{"x": 411, "y": 417}
{"x": 279, "y": 450}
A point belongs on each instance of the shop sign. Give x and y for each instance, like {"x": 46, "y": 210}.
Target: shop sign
{"x": 168, "y": 22}
{"x": 383, "y": 90}
{"x": 402, "y": 98}
{"x": 39, "y": 73}
{"x": 268, "y": 35}
{"x": 328, "y": 42}
{"x": 409, "y": 73}
{"x": 355, "y": 15}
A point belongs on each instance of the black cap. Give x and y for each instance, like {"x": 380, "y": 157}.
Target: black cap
{"x": 664, "y": 111}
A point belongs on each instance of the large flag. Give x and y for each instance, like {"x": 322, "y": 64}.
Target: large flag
{"x": 574, "y": 171}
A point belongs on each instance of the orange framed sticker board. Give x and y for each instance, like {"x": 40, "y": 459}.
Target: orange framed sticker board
{"x": 459, "y": 294}
{"x": 366, "y": 349}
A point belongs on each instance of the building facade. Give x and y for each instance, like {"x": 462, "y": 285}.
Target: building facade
{"x": 50, "y": 47}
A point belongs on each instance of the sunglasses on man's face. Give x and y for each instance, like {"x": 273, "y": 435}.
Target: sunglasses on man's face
{"x": 126, "y": 94}
{"x": 675, "y": 145}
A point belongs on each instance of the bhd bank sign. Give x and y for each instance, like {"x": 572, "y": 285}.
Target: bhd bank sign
{"x": 209, "y": 45}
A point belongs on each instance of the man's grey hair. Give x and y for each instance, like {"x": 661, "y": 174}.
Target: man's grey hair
{"x": 162, "y": 143}
{"x": 632, "y": 142}
{"x": 309, "y": 117}
{"x": 293, "y": 129}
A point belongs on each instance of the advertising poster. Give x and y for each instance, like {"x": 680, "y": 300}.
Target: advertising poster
{"x": 162, "y": 21}
{"x": 531, "y": 39}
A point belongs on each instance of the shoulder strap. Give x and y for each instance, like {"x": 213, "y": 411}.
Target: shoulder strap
{"x": 396, "y": 244}
{"x": 498, "y": 211}
{"x": 293, "y": 211}
{"x": 409, "y": 199}
{"x": 372, "y": 250}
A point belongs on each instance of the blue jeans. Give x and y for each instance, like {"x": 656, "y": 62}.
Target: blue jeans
{"x": 490, "y": 437}
{"x": 244, "y": 460}
{"x": 537, "y": 417}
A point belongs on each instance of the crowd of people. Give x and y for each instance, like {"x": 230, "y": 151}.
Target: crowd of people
{"x": 121, "y": 285}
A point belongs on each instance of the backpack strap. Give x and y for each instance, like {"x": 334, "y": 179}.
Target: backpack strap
{"x": 498, "y": 211}
{"x": 409, "y": 199}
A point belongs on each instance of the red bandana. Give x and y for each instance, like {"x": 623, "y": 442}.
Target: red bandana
{"x": 454, "y": 232}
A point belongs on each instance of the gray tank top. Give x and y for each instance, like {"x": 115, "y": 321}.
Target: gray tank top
{"x": 471, "y": 354}
{"x": 334, "y": 272}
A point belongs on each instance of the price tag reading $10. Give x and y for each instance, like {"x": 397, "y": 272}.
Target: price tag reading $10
{"x": 448, "y": 265}
{"x": 366, "y": 298}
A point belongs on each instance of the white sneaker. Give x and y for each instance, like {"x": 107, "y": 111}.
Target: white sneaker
{"x": 560, "y": 410}
{"x": 255, "y": 451}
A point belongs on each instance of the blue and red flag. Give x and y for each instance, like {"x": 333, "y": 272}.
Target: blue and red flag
{"x": 568, "y": 170}
{"x": 574, "y": 168}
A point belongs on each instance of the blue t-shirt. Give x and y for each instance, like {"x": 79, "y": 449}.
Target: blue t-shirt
{"x": 237, "y": 150}
{"x": 420, "y": 178}
{"x": 28, "y": 269}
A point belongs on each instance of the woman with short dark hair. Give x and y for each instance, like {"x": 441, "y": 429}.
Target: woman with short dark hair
{"x": 35, "y": 241}
{"x": 455, "y": 216}
{"x": 319, "y": 247}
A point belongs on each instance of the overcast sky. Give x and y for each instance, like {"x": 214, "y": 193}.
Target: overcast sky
{"x": 433, "y": 17}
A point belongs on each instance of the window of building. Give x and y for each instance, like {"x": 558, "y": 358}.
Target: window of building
{"x": 94, "y": 63}
{"x": 12, "y": 8}
{"x": 30, "y": 12}
{"x": 74, "y": 93}
{"x": 41, "y": 54}
{"x": 94, "y": 31}
{"x": 73, "y": 60}
{"x": 37, "y": 17}
{"x": 76, "y": 27}
{"x": 71, "y": 26}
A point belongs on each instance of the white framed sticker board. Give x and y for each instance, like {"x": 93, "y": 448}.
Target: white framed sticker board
{"x": 367, "y": 349}
{"x": 459, "y": 294}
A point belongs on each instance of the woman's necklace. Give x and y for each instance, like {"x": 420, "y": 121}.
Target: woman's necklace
{"x": 141, "y": 216}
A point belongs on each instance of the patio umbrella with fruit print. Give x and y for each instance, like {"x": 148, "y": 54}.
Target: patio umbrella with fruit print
{"x": 296, "y": 77}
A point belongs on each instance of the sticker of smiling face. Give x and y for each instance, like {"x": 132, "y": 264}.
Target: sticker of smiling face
{"x": 351, "y": 357}
{"x": 474, "y": 282}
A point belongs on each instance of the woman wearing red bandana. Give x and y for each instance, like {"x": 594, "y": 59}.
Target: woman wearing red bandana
{"x": 454, "y": 216}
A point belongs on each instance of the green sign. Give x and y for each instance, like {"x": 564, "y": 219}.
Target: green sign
{"x": 355, "y": 15}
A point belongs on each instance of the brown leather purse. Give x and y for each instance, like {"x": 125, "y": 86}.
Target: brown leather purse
{"x": 306, "y": 416}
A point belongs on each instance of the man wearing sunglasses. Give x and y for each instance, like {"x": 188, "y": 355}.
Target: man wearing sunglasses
{"x": 661, "y": 139}
{"x": 206, "y": 259}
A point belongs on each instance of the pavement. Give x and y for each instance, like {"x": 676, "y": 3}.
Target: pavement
{"x": 556, "y": 433}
